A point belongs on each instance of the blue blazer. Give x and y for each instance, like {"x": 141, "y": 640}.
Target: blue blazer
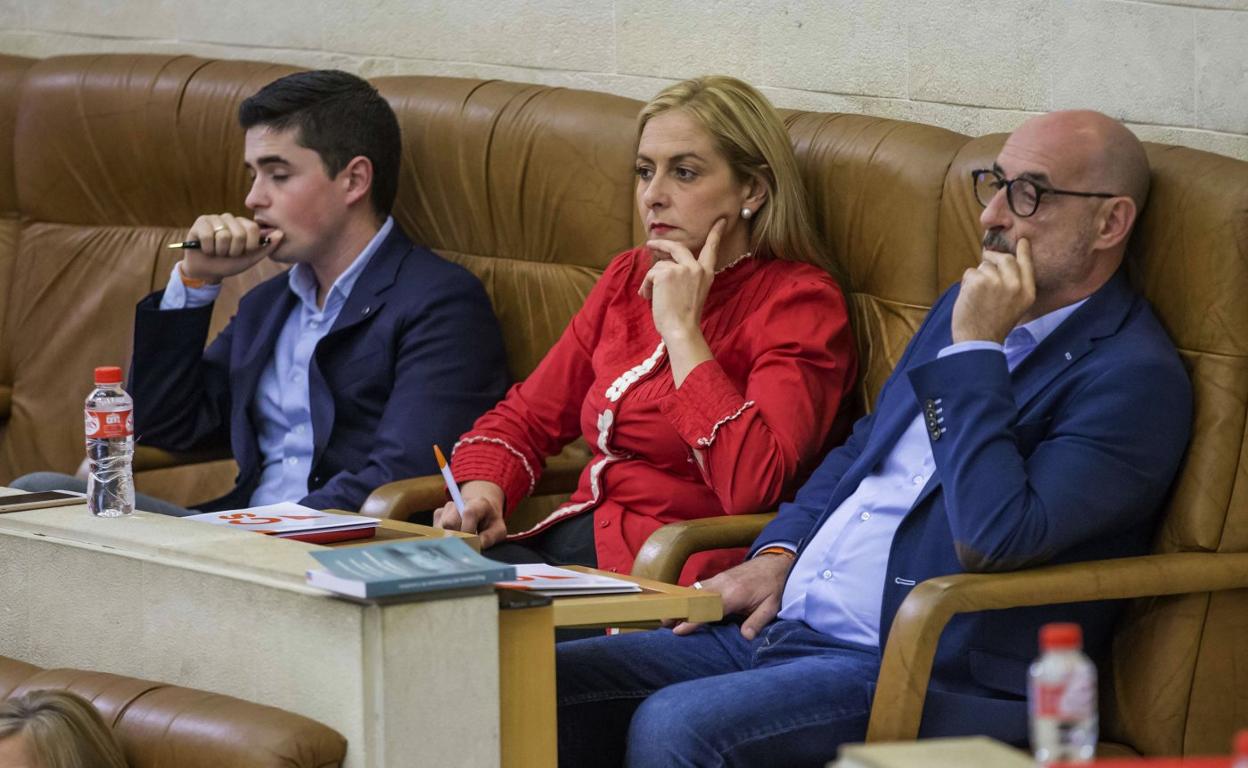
{"x": 414, "y": 357}
{"x": 1068, "y": 458}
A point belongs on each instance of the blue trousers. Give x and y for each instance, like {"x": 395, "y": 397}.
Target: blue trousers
{"x": 790, "y": 697}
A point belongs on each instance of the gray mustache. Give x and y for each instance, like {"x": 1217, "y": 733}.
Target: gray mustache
{"x": 995, "y": 241}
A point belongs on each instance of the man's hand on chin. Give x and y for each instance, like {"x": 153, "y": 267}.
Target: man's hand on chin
{"x": 995, "y": 295}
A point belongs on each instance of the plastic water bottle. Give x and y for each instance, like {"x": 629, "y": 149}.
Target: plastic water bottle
{"x": 1062, "y": 694}
{"x": 109, "y": 415}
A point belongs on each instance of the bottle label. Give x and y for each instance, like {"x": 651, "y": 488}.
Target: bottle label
{"x": 108, "y": 424}
{"x": 1073, "y": 700}
{"x": 1048, "y": 700}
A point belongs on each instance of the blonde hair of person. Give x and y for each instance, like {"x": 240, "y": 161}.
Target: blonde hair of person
{"x": 749, "y": 132}
{"x": 62, "y": 730}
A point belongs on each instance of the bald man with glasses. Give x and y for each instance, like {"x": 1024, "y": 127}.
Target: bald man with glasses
{"x": 1037, "y": 417}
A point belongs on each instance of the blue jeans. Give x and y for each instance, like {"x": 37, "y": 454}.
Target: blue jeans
{"x": 790, "y": 697}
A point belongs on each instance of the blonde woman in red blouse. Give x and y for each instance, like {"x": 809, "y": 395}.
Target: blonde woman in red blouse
{"x": 707, "y": 368}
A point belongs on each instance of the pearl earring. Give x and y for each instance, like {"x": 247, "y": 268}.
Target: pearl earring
{"x": 746, "y": 213}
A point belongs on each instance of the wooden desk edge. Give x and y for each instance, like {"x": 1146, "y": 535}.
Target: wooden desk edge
{"x": 412, "y": 530}
{"x": 659, "y": 601}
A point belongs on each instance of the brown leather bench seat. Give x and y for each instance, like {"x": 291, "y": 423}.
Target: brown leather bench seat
{"x": 164, "y": 726}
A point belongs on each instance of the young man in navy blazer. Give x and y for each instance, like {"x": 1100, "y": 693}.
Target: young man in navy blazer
{"x": 1038, "y": 416}
{"x": 339, "y": 375}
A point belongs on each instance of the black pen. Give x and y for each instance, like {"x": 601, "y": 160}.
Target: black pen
{"x": 193, "y": 245}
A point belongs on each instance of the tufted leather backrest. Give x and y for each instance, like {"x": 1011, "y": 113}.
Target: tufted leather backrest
{"x": 164, "y": 726}
{"x": 1178, "y": 662}
{"x": 114, "y": 157}
{"x": 875, "y": 188}
{"x": 530, "y": 187}
{"x": 12, "y": 69}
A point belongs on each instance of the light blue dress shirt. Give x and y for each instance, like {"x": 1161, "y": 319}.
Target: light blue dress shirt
{"x": 837, "y": 583}
{"x": 282, "y": 410}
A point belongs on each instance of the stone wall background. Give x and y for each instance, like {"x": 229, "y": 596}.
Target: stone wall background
{"x": 1176, "y": 71}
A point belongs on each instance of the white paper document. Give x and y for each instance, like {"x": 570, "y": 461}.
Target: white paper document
{"x": 286, "y": 519}
{"x": 558, "y": 582}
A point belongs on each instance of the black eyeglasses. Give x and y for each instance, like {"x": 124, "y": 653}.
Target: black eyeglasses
{"x": 1023, "y": 195}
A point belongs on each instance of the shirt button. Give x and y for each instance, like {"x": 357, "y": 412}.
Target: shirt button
{"x": 917, "y": 480}
{"x": 865, "y": 516}
{"x": 604, "y": 523}
{"x": 827, "y": 575}
{"x": 297, "y": 375}
{"x": 298, "y": 429}
{"x": 292, "y": 460}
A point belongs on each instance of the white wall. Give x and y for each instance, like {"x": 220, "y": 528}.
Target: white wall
{"x": 1176, "y": 70}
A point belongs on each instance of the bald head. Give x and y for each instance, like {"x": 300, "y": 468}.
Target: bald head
{"x": 1101, "y": 153}
{"x": 1098, "y": 175}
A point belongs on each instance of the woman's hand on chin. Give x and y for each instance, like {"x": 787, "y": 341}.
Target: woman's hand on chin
{"x": 677, "y": 288}
{"x": 677, "y": 292}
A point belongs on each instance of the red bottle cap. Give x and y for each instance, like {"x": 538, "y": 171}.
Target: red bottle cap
{"x": 1241, "y": 744}
{"x": 108, "y": 374}
{"x": 1061, "y": 637}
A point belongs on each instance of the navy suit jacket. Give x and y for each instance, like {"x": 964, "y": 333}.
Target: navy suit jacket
{"x": 414, "y": 357}
{"x": 1068, "y": 458}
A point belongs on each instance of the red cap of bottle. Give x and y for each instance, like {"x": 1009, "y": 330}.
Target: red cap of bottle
{"x": 1241, "y": 743}
{"x": 1061, "y": 637}
{"x": 108, "y": 374}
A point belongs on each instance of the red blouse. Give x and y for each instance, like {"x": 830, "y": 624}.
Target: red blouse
{"x": 733, "y": 439}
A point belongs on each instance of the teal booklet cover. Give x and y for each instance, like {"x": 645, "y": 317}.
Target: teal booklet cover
{"x": 402, "y": 567}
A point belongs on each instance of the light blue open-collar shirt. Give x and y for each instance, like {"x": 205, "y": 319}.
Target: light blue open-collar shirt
{"x": 282, "y": 410}
{"x": 838, "y": 581}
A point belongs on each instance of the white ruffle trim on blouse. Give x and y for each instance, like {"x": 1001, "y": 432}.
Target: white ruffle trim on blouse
{"x": 705, "y": 442}
{"x": 505, "y": 444}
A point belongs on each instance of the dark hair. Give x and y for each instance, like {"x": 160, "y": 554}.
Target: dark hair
{"x": 340, "y": 117}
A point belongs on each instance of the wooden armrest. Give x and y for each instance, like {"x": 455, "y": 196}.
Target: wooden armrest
{"x": 403, "y": 498}
{"x": 147, "y": 458}
{"x": 664, "y": 554}
{"x": 907, "y": 663}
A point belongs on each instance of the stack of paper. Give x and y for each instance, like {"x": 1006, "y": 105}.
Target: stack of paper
{"x": 558, "y": 582}
{"x": 294, "y": 521}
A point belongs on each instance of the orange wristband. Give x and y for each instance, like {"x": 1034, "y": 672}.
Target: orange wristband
{"x": 775, "y": 550}
{"x": 189, "y": 282}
